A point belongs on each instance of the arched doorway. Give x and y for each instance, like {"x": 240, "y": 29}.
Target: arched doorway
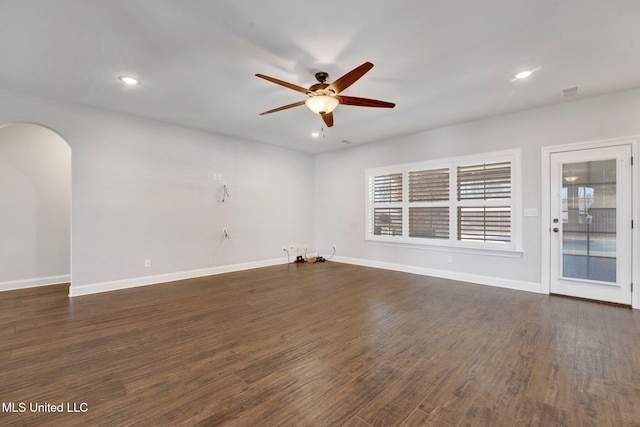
{"x": 35, "y": 207}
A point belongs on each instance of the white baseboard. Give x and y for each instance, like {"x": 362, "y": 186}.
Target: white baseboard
{"x": 519, "y": 285}
{"x": 34, "y": 283}
{"x": 182, "y": 275}
{"x": 94, "y": 288}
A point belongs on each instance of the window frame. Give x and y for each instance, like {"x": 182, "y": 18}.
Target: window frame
{"x": 452, "y": 243}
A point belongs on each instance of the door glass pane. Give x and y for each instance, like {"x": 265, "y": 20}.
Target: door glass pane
{"x": 589, "y": 220}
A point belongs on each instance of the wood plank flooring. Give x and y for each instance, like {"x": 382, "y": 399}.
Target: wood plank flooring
{"x": 323, "y": 344}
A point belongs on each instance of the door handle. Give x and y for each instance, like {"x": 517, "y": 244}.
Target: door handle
{"x": 556, "y": 229}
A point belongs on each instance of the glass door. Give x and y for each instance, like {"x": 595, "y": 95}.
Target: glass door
{"x": 591, "y": 224}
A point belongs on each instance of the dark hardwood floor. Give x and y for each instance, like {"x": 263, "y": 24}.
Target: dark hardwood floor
{"x": 323, "y": 344}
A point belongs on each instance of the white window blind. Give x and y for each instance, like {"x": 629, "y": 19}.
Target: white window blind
{"x": 387, "y": 188}
{"x": 485, "y": 181}
{"x": 387, "y": 221}
{"x": 426, "y": 222}
{"x": 484, "y": 224}
{"x": 429, "y": 185}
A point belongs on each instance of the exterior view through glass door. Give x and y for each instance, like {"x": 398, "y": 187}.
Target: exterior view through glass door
{"x": 591, "y": 223}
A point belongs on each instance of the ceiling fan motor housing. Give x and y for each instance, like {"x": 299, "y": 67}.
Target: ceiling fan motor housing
{"x": 321, "y": 76}
{"x": 320, "y": 88}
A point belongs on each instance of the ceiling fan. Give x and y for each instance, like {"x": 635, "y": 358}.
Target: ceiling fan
{"x": 324, "y": 97}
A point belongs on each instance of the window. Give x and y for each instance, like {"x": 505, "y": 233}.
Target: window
{"x": 429, "y": 203}
{"x": 490, "y": 185}
{"x": 387, "y": 196}
{"x": 467, "y": 202}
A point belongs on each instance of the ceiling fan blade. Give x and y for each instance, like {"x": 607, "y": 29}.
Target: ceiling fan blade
{"x": 350, "y": 78}
{"x": 328, "y": 119}
{"x": 364, "y": 102}
{"x": 284, "y": 107}
{"x": 283, "y": 83}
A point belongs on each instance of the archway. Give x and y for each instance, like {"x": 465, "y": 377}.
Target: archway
{"x": 35, "y": 207}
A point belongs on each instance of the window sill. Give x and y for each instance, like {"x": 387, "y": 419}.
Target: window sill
{"x": 506, "y": 253}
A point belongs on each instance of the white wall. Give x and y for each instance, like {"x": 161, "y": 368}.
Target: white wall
{"x": 340, "y": 199}
{"x": 145, "y": 190}
{"x": 35, "y": 201}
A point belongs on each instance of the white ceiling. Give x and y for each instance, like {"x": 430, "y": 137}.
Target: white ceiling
{"x": 441, "y": 62}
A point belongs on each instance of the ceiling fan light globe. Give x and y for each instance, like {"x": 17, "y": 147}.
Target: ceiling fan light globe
{"x": 322, "y": 104}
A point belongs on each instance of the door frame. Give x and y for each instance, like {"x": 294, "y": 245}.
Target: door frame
{"x": 634, "y": 141}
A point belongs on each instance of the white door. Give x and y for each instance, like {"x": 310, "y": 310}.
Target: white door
{"x": 591, "y": 223}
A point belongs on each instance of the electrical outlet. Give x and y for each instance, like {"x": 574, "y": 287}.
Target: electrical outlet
{"x": 147, "y": 263}
{"x": 292, "y": 248}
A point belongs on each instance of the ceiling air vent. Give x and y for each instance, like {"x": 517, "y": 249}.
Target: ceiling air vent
{"x": 569, "y": 91}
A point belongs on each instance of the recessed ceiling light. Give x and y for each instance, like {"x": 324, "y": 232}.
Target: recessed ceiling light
{"x": 523, "y": 74}
{"x": 131, "y": 81}
{"x": 315, "y": 134}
